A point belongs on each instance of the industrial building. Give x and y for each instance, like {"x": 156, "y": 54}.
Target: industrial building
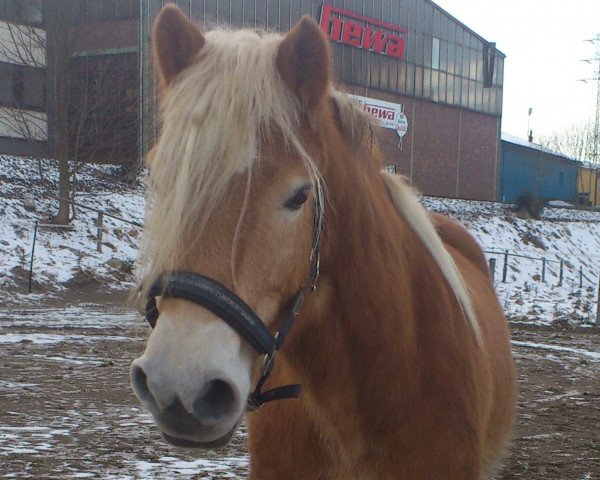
{"x": 23, "y": 120}
{"x": 92, "y": 45}
{"x": 588, "y": 186}
{"x": 435, "y": 84}
{"x": 530, "y": 169}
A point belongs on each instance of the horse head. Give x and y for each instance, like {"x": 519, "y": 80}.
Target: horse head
{"x": 236, "y": 196}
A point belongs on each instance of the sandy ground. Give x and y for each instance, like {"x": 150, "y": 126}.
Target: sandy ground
{"x": 67, "y": 410}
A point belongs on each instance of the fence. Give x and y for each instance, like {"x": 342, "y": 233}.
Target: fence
{"x": 99, "y": 230}
{"x": 544, "y": 264}
{"x": 541, "y": 277}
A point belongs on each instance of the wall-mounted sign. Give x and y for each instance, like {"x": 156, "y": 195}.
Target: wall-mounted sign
{"x": 401, "y": 125}
{"x": 356, "y": 30}
{"x": 388, "y": 114}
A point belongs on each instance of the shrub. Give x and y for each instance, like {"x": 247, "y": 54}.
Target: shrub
{"x": 530, "y": 204}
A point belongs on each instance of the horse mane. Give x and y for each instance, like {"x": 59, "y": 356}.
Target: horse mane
{"x": 358, "y": 128}
{"x": 192, "y": 167}
{"x": 356, "y": 125}
{"x": 419, "y": 220}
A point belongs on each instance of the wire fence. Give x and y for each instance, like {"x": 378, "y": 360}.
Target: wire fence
{"x": 100, "y": 231}
{"x": 547, "y": 269}
{"x": 515, "y": 274}
{"x": 548, "y": 285}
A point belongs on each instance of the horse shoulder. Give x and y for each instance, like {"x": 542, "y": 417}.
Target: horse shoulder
{"x": 455, "y": 235}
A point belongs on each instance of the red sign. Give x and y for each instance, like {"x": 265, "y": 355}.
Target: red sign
{"x": 342, "y": 26}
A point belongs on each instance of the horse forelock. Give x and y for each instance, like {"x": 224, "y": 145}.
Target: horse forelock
{"x": 214, "y": 118}
{"x": 357, "y": 126}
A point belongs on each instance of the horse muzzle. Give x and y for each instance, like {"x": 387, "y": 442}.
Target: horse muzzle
{"x": 208, "y": 420}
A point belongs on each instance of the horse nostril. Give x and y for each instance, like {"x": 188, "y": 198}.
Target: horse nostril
{"x": 215, "y": 401}
{"x": 139, "y": 381}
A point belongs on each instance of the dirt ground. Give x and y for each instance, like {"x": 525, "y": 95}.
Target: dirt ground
{"x": 67, "y": 410}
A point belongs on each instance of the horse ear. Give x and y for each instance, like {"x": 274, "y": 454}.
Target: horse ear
{"x": 303, "y": 61}
{"x": 176, "y": 41}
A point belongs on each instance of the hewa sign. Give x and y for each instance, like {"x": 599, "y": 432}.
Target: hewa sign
{"x": 356, "y": 30}
{"x": 388, "y": 114}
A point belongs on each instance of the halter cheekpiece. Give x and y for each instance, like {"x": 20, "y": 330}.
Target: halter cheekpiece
{"x": 225, "y": 304}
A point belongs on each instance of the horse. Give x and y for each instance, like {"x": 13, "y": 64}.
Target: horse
{"x": 269, "y": 219}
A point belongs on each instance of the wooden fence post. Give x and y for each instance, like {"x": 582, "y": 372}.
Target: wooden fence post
{"x": 505, "y": 267}
{"x": 493, "y": 269}
{"x": 31, "y": 259}
{"x": 560, "y": 274}
{"x": 99, "y": 231}
{"x": 543, "y": 270}
{"x": 598, "y": 305}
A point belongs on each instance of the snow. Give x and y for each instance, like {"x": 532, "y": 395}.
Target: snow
{"x": 595, "y": 356}
{"x": 73, "y": 317}
{"x": 560, "y": 203}
{"x": 70, "y": 337}
{"x": 67, "y": 258}
{"x": 570, "y": 235}
{"x": 171, "y": 465}
{"x": 52, "y": 339}
{"x": 65, "y": 255}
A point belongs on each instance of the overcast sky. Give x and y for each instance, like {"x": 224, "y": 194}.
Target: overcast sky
{"x": 544, "y": 42}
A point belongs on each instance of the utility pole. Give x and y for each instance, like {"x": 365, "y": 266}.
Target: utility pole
{"x": 595, "y": 148}
{"x": 597, "y": 120}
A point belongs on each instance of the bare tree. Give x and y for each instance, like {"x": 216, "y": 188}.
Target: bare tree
{"x": 576, "y": 142}
{"x": 91, "y": 98}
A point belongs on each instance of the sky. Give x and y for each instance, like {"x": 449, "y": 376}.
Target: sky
{"x": 544, "y": 42}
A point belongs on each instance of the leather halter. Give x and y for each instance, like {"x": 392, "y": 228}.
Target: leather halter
{"x": 230, "y": 308}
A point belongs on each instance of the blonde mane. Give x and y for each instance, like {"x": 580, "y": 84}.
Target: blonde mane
{"x": 211, "y": 133}
{"x": 213, "y": 118}
{"x": 418, "y": 219}
{"x": 358, "y": 127}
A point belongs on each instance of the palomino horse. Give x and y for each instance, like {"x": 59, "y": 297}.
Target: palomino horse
{"x": 266, "y": 206}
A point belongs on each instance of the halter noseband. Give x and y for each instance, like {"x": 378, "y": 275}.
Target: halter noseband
{"x": 225, "y": 304}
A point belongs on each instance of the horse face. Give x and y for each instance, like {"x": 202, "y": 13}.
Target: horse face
{"x": 196, "y": 372}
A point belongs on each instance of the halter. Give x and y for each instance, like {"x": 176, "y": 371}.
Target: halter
{"x": 230, "y": 308}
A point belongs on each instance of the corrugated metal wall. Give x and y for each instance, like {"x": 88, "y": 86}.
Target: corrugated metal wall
{"x": 455, "y": 78}
{"x": 526, "y": 170}
{"x": 438, "y": 81}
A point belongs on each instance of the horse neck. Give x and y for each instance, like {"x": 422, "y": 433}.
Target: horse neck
{"x": 369, "y": 257}
{"x": 363, "y": 305}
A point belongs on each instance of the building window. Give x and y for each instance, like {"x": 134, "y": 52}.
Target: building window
{"x": 93, "y": 11}
{"x": 22, "y": 87}
{"x": 21, "y": 11}
{"x": 489, "y": 62}
{"x": 435, "y": 53}
{"x": 18, "y": 89}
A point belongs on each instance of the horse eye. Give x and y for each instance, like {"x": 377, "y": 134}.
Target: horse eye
{"x": 298, "y": 199}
